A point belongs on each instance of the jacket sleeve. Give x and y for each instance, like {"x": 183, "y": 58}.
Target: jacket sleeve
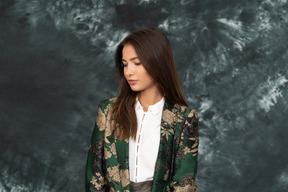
{"x": 94, "y": 176}
{"x": 186, "y": 160}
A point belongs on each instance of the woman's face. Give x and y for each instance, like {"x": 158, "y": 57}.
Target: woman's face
{"x": 135, "y": 73}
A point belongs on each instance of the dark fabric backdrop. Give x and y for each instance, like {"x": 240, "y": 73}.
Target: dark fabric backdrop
{"x": 56, "y": 65}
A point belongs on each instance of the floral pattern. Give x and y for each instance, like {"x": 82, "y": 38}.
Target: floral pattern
{"x": 107, "y": 167}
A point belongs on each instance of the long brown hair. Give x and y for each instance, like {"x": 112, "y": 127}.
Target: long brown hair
{"x": 154, "y": 51}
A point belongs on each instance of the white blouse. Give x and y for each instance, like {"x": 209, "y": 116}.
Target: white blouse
{"x": 144, "y": 151}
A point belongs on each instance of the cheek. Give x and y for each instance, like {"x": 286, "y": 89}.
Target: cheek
{"x": 146, "y": 76}
{"x": 142, "y": 71}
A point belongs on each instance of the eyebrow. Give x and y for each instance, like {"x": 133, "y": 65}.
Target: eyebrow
{"x": 133, "y": 58}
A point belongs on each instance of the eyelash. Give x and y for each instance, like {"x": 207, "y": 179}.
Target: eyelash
{"x": 125, "y": 65}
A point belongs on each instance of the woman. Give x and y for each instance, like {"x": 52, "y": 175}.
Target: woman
{"x": 146, "y": 139}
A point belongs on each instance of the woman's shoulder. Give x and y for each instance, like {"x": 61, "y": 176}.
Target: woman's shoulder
{"x": 107, "y": 102}
{"x": 186, "y": 111}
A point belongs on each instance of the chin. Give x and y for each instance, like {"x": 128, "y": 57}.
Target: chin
{"x": 135, "y": 89}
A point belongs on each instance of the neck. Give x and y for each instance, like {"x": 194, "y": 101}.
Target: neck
{"x": 150, "y": 98}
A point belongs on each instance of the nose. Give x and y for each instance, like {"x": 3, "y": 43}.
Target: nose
{"x": 129, "y": 70}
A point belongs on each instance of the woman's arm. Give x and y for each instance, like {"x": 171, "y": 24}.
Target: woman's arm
{"x": 186, "y": 160}
{"x": 94, "y": 177}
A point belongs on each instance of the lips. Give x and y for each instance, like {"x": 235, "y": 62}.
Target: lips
{"x": 132, "y": 82}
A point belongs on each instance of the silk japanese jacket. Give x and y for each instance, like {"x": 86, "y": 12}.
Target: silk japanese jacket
{"x": 107, "y": 167}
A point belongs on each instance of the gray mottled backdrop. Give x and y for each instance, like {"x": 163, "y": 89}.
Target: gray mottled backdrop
{"x": 56, "y": 65}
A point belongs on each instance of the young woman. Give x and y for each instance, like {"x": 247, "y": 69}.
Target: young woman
{"x": 146, "y": 139}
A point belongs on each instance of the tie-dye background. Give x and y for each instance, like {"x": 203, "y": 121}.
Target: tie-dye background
{"x": 56, "y": 65}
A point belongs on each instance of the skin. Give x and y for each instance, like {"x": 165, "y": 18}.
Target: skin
{"x": 149, "y": 93}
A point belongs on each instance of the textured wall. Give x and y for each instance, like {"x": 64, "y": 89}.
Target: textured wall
{"x": 56, "y": 64}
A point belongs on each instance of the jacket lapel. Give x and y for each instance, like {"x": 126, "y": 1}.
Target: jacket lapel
{"x": 122, "y": 149}
{"x": 164, "y": 159}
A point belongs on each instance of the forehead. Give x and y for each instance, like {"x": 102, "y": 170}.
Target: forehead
{"x": 128, "y": 51}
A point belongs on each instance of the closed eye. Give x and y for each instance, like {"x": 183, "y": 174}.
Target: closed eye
{"x": 125, "y": 65}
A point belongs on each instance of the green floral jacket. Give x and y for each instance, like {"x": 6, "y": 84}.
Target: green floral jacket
{"x": 107, "y": 167}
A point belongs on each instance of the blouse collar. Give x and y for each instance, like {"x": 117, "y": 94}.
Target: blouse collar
{"x": 155, "y": 108}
